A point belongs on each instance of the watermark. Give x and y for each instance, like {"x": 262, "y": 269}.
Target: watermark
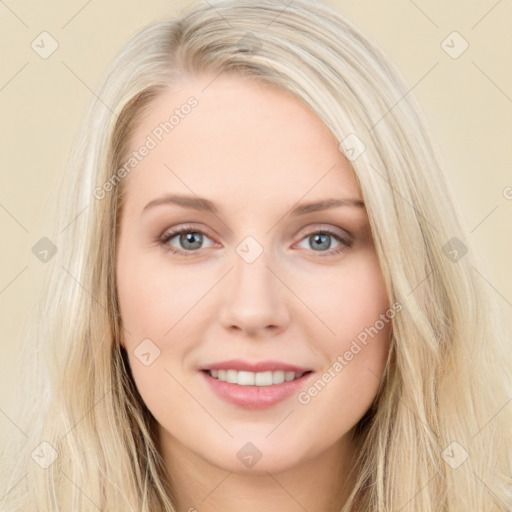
{"x": 44, "y": 455}
{"x": 44, "y": 249}
{"x": 156, "y": 136}
{"x": 249, "y": 43}
{"x": 304, "y": 397}
{"x": 507, "y": 192}
{"x": 454, "y": 455}
{"x": 352, "y": 147}
{"x": 249, "y": 249}
{"x": 146, "y": 352}
{"x": 455, "y": 249}
{"x": 454, "y": 45}
{"x": 249, "y": 454}
{"x": 44, "y": 45}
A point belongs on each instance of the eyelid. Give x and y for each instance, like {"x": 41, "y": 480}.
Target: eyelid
{"x": 185, "y": 227}
{"x": 328, "y": 228}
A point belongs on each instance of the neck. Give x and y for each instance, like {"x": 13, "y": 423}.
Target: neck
{"x": 322, "y": 483}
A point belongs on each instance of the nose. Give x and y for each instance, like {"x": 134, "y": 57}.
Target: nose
{"x": 255, "y": 299}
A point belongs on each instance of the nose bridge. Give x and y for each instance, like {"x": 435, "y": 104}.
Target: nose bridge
{"x": 253, "y": 300}
{"x": 251, "y": 279}
{"x": 251, "y": 273}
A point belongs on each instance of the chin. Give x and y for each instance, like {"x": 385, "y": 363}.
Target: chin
{"x": 256, "y": 455}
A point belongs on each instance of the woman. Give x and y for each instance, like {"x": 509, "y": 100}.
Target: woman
{"x": 268, "y": 300}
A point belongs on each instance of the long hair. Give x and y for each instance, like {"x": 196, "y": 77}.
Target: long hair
{"x": 438, "y": 434}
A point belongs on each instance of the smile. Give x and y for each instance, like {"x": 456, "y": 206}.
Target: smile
{"x": 245, "y": 378}
{"x": 255, "y": 390}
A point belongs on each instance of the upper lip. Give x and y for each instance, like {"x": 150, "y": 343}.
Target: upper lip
{"x": 260, "y": 366}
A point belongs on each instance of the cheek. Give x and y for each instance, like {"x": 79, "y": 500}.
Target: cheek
{"x": 353, "y": 303}
{"x": 354, "y": 306}
{"x": 153, "y": 297}
{"x": 152, "y": 300}
{"x": 348, "y": 299}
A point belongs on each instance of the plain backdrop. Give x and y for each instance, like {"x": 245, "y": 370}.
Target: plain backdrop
{"x": 467, "y": 102}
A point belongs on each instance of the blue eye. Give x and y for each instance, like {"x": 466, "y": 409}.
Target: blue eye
{"x": 321, "y": 241}
{"x": 191, "y": 239}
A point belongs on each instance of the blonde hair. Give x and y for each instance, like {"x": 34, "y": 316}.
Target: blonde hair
{"x": 447, "y": 382}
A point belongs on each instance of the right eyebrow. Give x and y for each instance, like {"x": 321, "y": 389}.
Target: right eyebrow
{"x": 196, "y": 203}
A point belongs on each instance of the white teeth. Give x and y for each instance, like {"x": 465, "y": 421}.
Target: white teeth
{"x": 243, "y": 378}
{"x": 231, "y": 376}
{"x": 263, "y": 379}
{"x": 289, "y": 376}
{"x": 278, "y": 377}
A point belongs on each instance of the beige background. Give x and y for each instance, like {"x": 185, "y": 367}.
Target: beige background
{"x": 467, "y": 102}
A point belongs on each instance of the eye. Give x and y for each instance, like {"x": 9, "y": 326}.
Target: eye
{"x": 321, "y": 241}
{"x": 188, "y": 239}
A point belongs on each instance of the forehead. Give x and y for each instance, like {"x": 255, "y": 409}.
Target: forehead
{"x": 241, "y": 135}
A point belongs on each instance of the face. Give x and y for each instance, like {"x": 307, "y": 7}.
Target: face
{"x": 248, "y": 278}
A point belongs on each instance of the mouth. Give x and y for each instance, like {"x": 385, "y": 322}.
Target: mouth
{"x": 261, "y": 379}
{"x": 255, "y": 390}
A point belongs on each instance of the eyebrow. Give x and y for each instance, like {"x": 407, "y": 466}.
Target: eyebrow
{"x": 202, "y": 204}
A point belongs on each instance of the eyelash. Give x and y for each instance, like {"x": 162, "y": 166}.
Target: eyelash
{"x": 166, "y": 237}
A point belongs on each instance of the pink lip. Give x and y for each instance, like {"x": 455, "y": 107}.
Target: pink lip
{"x": 261, "y": 366}
{"x": 255, "y": 397}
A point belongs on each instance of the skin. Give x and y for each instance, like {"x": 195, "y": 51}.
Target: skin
{"x": 255, "y": 151}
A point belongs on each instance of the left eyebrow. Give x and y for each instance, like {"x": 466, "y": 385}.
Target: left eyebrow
{"x": 325, "y": 204}
{"x": 202, "y": 204}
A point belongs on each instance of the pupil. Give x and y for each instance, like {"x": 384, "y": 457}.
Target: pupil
{"x": 323, "y": 240}
{"x": 188, "y": 238}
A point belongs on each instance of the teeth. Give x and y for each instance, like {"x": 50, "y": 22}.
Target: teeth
{"x": 243, "y": 378}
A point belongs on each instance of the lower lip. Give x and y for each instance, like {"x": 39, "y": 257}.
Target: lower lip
{"x": 255, "y": 397}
